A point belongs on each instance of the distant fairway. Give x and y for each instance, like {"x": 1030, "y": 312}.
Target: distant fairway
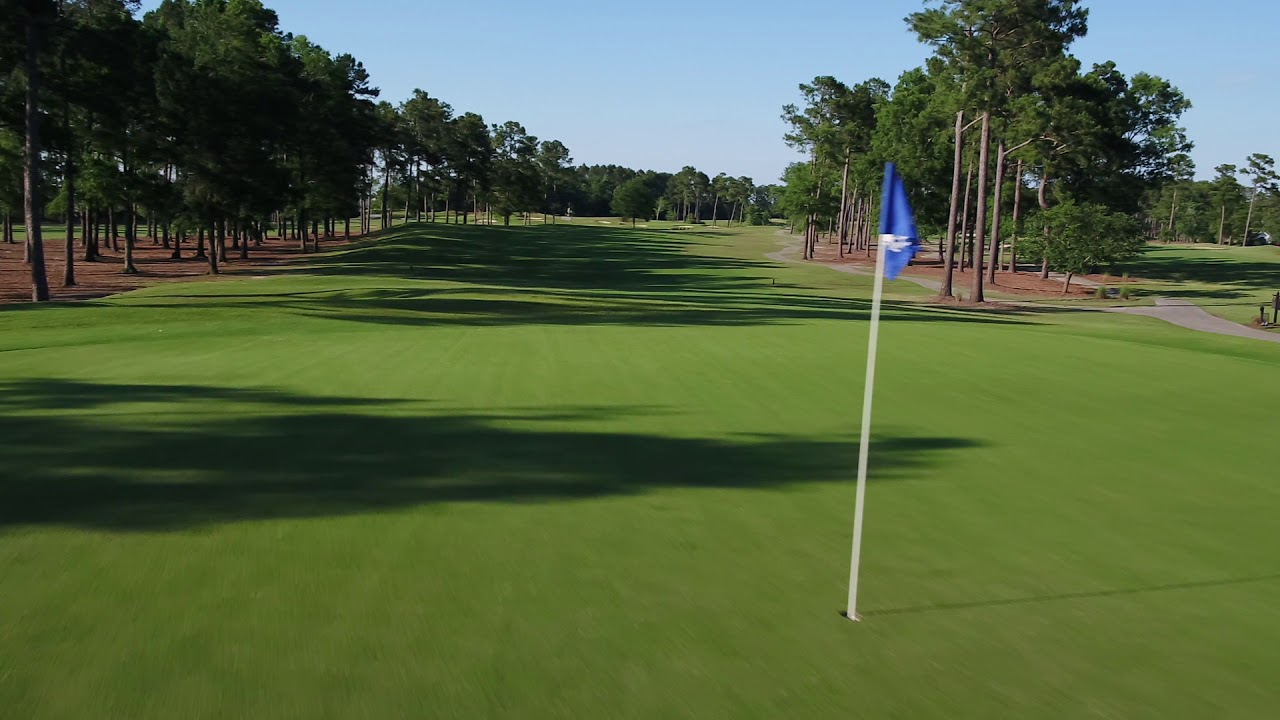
{"x": 585, "y": 471}
{"x": 1229, "y": 282}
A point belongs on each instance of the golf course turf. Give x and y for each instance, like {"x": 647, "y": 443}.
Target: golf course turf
{"x": 590, "y": 471}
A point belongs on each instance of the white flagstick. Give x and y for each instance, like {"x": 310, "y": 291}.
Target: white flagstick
{"x": 864, "y": 445}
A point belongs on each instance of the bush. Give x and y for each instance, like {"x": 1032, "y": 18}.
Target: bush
{"x": 1125, "y": 292}
{"x": 1100, "y": 293}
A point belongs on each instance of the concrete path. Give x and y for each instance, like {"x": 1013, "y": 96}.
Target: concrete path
{"x": 1178, "y": 312}
{"x": 1187, "y": 315}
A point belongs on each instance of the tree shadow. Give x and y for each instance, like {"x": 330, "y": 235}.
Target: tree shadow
{"x": 70, "y": 461}
{"x": 555, "y": 256}
{"x": 1036, "y": 599}
{"x": 478, "y": 307}
{"x": 1242, "y": 277}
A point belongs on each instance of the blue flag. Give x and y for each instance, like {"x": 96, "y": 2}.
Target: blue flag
{"x": 898, "y": 239}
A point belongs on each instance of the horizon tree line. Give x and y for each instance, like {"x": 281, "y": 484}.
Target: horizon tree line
{"x": 204, "y": 126}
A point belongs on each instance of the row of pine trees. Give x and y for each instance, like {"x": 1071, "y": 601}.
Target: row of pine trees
{"x": 207, "y": 124}
{"x": 1013, "y": 151}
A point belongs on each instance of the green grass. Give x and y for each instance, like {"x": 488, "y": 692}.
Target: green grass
{"x": 1230, "y": 282}
{"x": 590, "y": 472}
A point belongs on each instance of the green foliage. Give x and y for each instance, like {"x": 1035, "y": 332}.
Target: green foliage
{"x": 635, "y": 199}
{"x": 517, "y": 181}
{"x": 997, "y": 46}
{"x": 1084, "y": 238}
{"x": 800, "y": 196}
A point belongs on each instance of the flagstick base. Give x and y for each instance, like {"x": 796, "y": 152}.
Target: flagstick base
{"x": 855, "y": 617}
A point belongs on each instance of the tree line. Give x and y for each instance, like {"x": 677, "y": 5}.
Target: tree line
{"x": 1223, "y": 210}
{"x": 206, "y": 121}
{"x": 1012, "y": 150}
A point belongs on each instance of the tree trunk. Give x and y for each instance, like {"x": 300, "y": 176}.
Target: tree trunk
{"x": 69, "y": 263}
{"x": 844, "y": 205}
{"x": 949, "y": 262}
{"x": 1017, "y": 220}
{"x": 315, "y": 235}
{"x": 212, "y": 255}
{"x": 980, "y": 224}
{"x": 8, "y": 228}
{"x": 243, "y": 229}
{"x": 95, "y": 230}
{"x": 200, "y": 254}
{"x": 994, "y": 262}
{"x": 300, "y": 229}
{"x": 346, "y": 228}
{"x": 114, "y": 227}
{"x": 1043, "y": 200}
{"x": 222, "y": 240}
{"x": 1066, "y": 283}
{"x": 1173, "y": 209}
{"x": 812, "y": 236}
{"x": 1222, "y": 224}
{"x": 964, "y": 219}
{"x": 873, "y": 211}
{"x": 177, "y": 246}
{"x": 1248, "y": 222}
{"x": 165, "y": 237}
{"x": 386, "y": 193}
{"x": 32, "y": 203}
{"x": 864, "y": 229}
{"x": 130, "y": 239}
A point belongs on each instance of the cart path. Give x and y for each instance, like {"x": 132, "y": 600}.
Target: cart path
{"x": 1178, "y": 312}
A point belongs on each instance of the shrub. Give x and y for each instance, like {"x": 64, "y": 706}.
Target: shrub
{"x": 1101, "y": 292}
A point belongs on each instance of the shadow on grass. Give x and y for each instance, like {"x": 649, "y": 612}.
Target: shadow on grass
{"x": 558, "y": 275}
{"x": 481, "y": 307}
{"x": 559, "y": 256}
{"x": 916, "y": 610}
{"x": 69, "y": 460}
{"x": 1235, "y": 278}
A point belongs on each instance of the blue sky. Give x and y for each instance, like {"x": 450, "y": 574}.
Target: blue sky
{"x": 662, "y": 84}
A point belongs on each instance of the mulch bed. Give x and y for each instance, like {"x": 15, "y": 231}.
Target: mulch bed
{"x": 104, "y": 277}
{"x": 926, "y": 265}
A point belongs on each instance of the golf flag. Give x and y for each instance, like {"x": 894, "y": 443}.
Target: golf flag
{"x": 898, "y": 238}
{"x": 898, "y": 244}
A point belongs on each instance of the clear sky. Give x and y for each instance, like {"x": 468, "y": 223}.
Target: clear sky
{"x": 661, "y": 84}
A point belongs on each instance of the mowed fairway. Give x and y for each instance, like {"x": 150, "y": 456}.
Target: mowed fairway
{"x": 594, "y": 472}
{"x": 1231, "y": 282}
